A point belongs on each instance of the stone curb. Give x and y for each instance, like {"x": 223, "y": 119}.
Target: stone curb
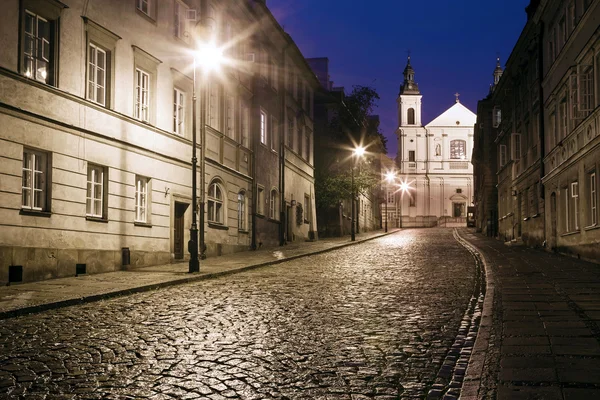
{"x": 154, "y": 286}
{"x": 472, "y": 381}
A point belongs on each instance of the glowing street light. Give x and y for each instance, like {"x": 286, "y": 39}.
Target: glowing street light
{"x": 358, "y": 152}
{"x": 210, "y": 57}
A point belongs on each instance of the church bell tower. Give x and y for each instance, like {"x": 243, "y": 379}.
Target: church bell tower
{"x": 409, "y": 99}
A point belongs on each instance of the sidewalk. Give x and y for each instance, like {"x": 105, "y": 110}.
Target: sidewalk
{"x": 37, "y": 296}
{"x": 540, "y": 328}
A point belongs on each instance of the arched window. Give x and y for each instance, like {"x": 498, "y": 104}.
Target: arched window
{"x": 411, "y": 116}
{"x": 458, "y": 150}
{"x": 241, "y": 211}
{"x": 215, "y": 204}
{"x": 273, "y": 204}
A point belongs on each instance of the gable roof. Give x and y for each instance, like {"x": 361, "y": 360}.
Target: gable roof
{"x": 457, "y": 112}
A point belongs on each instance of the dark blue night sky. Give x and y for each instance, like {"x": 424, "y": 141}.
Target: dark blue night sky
{"x": 453, "y": 46}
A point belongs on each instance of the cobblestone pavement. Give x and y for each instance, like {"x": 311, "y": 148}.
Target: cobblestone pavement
{"x": 374, "y": 320}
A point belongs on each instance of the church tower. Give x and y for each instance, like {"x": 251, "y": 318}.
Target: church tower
{"x": 409, "y": 99}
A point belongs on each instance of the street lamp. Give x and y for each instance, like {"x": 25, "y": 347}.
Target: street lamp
{"x": 210, "y": 57}
{"x": 389, "y": 177}
{"x": 358, "y": 152}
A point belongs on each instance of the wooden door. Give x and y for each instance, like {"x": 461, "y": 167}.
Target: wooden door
{"x": 178, "y": 230}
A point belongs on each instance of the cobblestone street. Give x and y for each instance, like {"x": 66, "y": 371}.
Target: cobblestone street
{"x": 373, "y": 320}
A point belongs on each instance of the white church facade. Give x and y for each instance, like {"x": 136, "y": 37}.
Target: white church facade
{"x": 434, "y": 160}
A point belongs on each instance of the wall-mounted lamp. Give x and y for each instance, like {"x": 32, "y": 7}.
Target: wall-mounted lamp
{"x": 293, "y": 203}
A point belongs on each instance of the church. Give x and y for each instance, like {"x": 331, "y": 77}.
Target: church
{"x": 434, "y": 186}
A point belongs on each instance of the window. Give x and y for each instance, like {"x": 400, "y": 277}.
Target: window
{"x": 260, "y": 200}
{"x": 264, "y": 66}
{"x": 308, "y": 134}
{"x": 178, "y": 109}
{"x": 241, "y": 211}
{"x": 458, "y": 149}
{"x": 582, "y": 91}
{"x": 274, "y": 134}
{"x": 412, "y": 199}
{"x": 300, "y": 129}
{"x": 563, "y": 119}
{"x": 575, "y": 196}
{"x": 39, "y": 46}
{"x": 181, "y": 21}
{"x": 263, "y": 127}
{"x": 496, "y": 117}
{"x": 290, "y": 133}
{"x": 143, "y": 6}
{"x": 502, "y": 150}
{"x": 593, "y": 199}
{"x": 306, "y": 209}
{"x": 244, "y": 123}
{"x": 213, "y": 106}
{"x": 566, "y": 208}
{"x": 214, "y": 202}
{"x": 411, "y": 156}
{"x": 35, "y": 182}
{"x": 552, "y": 132}
{"x": 96, "y": 184}
{"x": 516, "y": 146}
{"x": 411, "y": 116}
{"x": 97, "y": 63}
{"x": 459, "y": 191}
{"x": 390, "y": 197}
{"x": 141, "y": 199}
{"x": 275, "y": 76}
{"x": 273, "y": 204}
{"x": 230, "y": 112}
{"x": 142, "y": 95}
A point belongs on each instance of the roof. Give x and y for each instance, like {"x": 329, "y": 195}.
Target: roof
{"x": 457, "y": 115}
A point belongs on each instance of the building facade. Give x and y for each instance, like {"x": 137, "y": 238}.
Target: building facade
{"x": 96, "y": 116}
{"x": 570, "y": 50}
{"x": 434, "y": 160}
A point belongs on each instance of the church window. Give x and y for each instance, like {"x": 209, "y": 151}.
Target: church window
{"x": 411, "y": 156}
{"x": 411, "y": 116}
{"x": 458, "y": 149}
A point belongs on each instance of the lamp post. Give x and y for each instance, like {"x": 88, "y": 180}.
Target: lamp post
{"x": 210, "y": 56}
{"x": 358, "y": 152}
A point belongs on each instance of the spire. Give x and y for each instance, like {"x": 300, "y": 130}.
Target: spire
{"x": 409, "y": 86}
{"x": 497, "y": 74}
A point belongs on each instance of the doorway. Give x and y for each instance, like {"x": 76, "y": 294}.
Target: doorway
{"x": 178, "y": 227}
{"x": 458, "y": 210}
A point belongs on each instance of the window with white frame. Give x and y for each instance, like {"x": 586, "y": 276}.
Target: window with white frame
{"x": 502, "y": 150}
{"x": 582, "y": 90}
{"x": 263, "y": 127}
{"x": 244, "y": 123}
{"x": 274, "y": 134}
{"x": 35, "y": 181}
{"x": 180, "y": 24}
{"x": 516, "y": 146}
{"x": 141, "y": 198}
{"x": 142, "y": 95}
{"x": 178, "y": 111}
{"x": 144, "y": 6}
{"x": 260, "y": 200}
{"x": 229, "y": 113}
{"x": 215, "y": 204}
{"x": 273, "y": 204}
{"x": 592, "y": 198}
{"x": 458, "y": 149}
{"x": 241, "y": 211}
{"x": 97, "y": 71}
{"x": 96, "y": 187}
{"x": 575, "y": 204}
{"x": 39, "y": 35}
{"x": 567, "y": 213}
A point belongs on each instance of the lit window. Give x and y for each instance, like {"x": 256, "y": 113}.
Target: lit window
{"x": 141, "y": 199}
{"x": 142, "y": 95}
{"x": 458, "y": 149}
{"x": 95, "y": 191}
{"x": 273, "y": 204}
{"x": 178, "y": 111}
{"x": 38, "y": 50}
{"x": 263, "y": 127}
{"x": 241, "y": 210}
{"x": 97, "y": 74}
{"x": 215, "y": 204}
{"x": 35, "y": 182}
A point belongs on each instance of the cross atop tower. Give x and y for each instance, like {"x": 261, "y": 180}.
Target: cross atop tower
{"x": 457, "y": 94}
